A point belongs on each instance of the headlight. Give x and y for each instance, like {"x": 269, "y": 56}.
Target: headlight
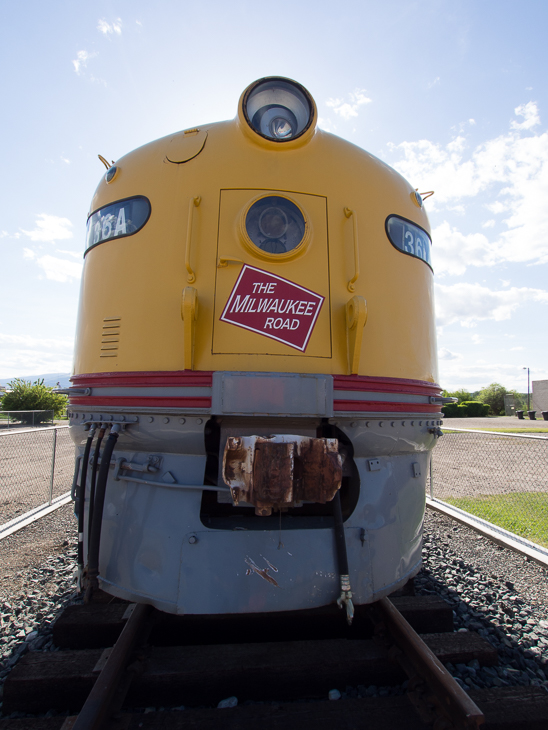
{"x": 275, "y": 224}
{"x": 278, "y": 109}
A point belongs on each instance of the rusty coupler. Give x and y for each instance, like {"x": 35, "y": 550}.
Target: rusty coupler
{"x": 281, "y": 471}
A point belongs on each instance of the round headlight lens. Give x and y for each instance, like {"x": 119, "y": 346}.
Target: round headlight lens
{"x": 275, "y": 224}
{"x": 278, "y": 109}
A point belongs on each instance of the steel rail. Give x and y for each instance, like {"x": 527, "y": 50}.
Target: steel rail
{"x": 418, "y": 659}
{"x": 94, "y": 714}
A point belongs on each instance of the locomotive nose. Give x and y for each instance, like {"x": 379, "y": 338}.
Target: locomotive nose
{"x": 277, "y": 110}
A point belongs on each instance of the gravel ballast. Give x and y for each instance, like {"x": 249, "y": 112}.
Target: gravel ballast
{"x": 492, "y": 590}
{"x": 36, "y": 582}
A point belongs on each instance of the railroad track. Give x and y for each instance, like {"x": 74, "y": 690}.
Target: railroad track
{"x": 282, "y": 667}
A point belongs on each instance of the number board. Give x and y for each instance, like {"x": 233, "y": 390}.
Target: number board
{"x": 116, "y": 220}
{"x": 409, "y": 238}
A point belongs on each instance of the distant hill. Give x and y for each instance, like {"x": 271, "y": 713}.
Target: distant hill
{"x": 50, "y": 379}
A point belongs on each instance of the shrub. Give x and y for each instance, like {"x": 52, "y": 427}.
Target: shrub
{"x": 469, "y": 409}
{"x": 27, "y": 396}
{"x": 476, "y": 409}
{"x": 450, "y": 410}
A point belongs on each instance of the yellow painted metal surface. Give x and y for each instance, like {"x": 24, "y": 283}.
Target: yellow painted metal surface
{"x": 140, "y": 278}
{"x": 309, "y": 269}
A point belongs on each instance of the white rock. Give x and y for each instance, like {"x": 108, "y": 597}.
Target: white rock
{"x": 334, "y": 694}
{"x": 229, "y": 702}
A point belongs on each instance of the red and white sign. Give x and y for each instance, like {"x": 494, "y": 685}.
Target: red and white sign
{"x": 273, "y": 307}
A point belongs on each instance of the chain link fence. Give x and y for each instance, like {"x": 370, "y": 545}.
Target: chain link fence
{"x": 36, "y": 466}
{"x": 9, "y": 419}
{"x": 498, "y": 478}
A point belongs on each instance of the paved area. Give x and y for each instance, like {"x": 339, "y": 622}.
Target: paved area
{"x": 495, "y": 422}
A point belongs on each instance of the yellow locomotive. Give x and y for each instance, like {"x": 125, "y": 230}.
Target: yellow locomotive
{"x": 256, "y": 334}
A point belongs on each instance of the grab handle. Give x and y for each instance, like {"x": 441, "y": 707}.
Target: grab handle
{"x": 194, "y": 202}
{"x": 348, "y": 212}
{"x": 223, "y": 261}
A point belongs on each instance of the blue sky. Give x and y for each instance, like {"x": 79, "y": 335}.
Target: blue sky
{"x": 451, "y": 94}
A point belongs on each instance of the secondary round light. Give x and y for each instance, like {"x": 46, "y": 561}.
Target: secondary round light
{"x": 273, "y": 222}
{"x": 275, "y": 225}
{"x": 111, "y": 174}
{"x": 278, "y": 109}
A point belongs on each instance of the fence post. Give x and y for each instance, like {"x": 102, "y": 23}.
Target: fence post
{"x": 52, "y": 465}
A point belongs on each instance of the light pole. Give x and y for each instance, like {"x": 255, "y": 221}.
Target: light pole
{"x": 528, "y": 406}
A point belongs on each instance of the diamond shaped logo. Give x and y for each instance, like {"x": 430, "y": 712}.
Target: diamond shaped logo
{"x": 273, "y": 307}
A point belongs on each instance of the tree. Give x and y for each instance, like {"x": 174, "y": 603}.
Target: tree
{"x": 27, "y": 396}
{"x": 462, "y": 395}
{"x": 493, "y": 395}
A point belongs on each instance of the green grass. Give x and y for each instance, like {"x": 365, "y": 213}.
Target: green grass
{"x": 524, "y": 514}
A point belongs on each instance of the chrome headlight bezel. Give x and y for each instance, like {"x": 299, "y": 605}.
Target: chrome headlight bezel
{"x": 278, "y": 110}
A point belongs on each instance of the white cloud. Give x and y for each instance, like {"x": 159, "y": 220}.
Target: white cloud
{"x": 496, "y": 207}
{"x": 511, "y": 168}
{"x": 468, "y": 304}
{"x": 349, "y": 109}
{"x": 433, "y": 83}
{"x": 488, "y": 224}
{"x": 477, "y": 375}
{"x": 50, "y": 228}
{"x": 80, "y": 62}
{"x": 530, "y": 114}
{"x": 109, "y": 28}
{"x": 454, "y": 251}
{"x": 445, "y": 354}
{"x": 76, "y": 254}
{"x": 28, "y": 253}
{"x": 65, "y": 159}
{"x": 24, "y": 354}
{"x": 477, "y": 340}
{"x": 516, "y": 349}
{"x": 326, "y": 124}
{"x": 58, "y": 269}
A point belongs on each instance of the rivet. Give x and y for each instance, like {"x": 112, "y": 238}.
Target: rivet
{"x": 199, "y": 421}
{"x": 150, "y": 419}
{"x": 380, "y": 424}
{"x": 412, "y": 423}
{"x": 166, "y": 420}
{"x": 367, "y": 424}
{"x": 193, "y": 539}
{"x": 182, "y": 420}
{"x": 420, "y": 423}
{"x": 403, "y": 423}
{"x": 392, "y": 424}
